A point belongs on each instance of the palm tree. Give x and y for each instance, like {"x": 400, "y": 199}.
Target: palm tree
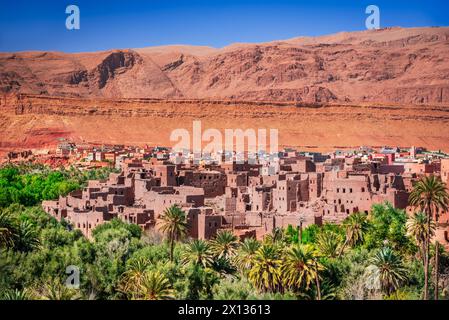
{"x": 199, "y": 253}
{"x": 8, "y": 232}
{"x": 292, "y": 234}
{"x": 356, "y": 226}
{"x": 16, "y": 295}
{"x": 173, "y": 223}
{"x": 225, "y": 244}
{"x": 328, "y": 243}
{"x": 27, "y": 237}
{"x": 386, "y": 271}
{"x": 265, "y": 273}
{"x": 54, "y": 289}
{"x": 417, "y": 227}
{"x": 430, "y": 195}
{"x": 301, "y": 268}
{"x": 131, "y": 279}
{"x": 245, "y": 257}
{"x": 155, "y": 286}
{"x": 277, "y": 235}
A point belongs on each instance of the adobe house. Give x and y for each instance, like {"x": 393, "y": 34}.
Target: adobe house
{"x": 203, "y": 223}
{"x": 166, "y": 174}
{"x": 212, "y": 182}
{"x": 99, "y": 202}
{"x": 237, "y": 179}
{"x": 159, "y": 199}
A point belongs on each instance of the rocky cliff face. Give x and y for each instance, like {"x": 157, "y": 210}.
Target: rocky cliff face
{"x": 38, "y": 121}
{"x": 408, "y": 66}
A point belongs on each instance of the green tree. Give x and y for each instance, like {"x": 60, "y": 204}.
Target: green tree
{"x": 277, "y": 235}
{"x": 386, "y": 271}
{"x": 16, "y": 295}
{"x": 133, "y": 229}
{"x": 225, "y": 244}
{"x": 388, "y": 224}
{"x": 245, "y": 255}
{"x": 27, "y": 237}
{"x": 55, "y": 289}
{"x": 300, "y": 268}
{"x": 154, "y": 286}
{"x": 173, "y": 223}
{"x": 292, "y": 234}
{"x": 131, "y": 279}
{"x": 112, "y": 249}
{"x": 430, "y": 195}
{"x": 328, "y": 243}
{"x": 199, "y": 253}
{"x": 200, "y": 281}
{"x": 265, "y": 273}
{"x": 8, "y": 230}
{"x": 356, "y": 226}
{"x": 418, "y": 229}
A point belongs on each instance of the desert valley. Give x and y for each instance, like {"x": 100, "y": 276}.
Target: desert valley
{"x": 349, "y": 202}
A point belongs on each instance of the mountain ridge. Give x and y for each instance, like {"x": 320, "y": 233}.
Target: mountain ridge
{"x": 392, "y": 65}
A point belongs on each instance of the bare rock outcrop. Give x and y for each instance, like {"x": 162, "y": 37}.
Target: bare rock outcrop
{"x": 393, "y": 65}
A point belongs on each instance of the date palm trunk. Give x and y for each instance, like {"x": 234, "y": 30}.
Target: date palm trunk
{"x": 427, "y": 259}
{"x": 344, "y": 245}
{"x": 172, "y": 245}
{"x": 436, "y": 269}
{"x": 426, "y": 272}
{"x": 317, "y": 281}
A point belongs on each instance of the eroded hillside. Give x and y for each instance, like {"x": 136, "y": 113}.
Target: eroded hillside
{"x": 38, "y": 122}
{"x": 395, "y": 65}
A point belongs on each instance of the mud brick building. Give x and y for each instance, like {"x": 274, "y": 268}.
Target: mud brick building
{"x": 213, "y": 182}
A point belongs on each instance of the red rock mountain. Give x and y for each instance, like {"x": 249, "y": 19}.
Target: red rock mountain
{"x": 394, "y": 65}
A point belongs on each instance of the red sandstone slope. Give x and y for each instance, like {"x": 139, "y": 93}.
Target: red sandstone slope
{"x": 389, "y": 65}
{"x": 38, "y": 122}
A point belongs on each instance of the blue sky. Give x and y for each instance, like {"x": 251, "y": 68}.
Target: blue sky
{"x": 40, "y": 25}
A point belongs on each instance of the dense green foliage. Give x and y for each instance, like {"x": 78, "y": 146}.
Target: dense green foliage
{"x": 374, "y": 256}
{"x": 30, "y": 184}
{"x": 122, "y": 263}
